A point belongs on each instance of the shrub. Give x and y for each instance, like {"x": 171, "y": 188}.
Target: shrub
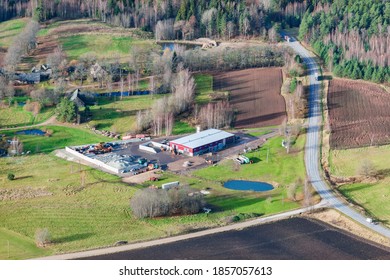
{"x": 367, "y": 169}
{"x": 42, "y": 237}
{"x": 293, "y": 85}
{"x": 11, "y": 176}
{"x": 158, "y": 202}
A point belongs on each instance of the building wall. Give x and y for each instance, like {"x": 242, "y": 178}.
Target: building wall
{"x": 211, "y": 147}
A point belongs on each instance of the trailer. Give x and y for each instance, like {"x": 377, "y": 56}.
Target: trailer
{"x": 244, "y": 159}
{"x": 170, "y": 185}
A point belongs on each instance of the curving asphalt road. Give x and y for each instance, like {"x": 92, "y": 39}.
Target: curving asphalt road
{"x": 313, "y": 146}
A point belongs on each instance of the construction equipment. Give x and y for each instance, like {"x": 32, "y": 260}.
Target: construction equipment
{"x": 142, "y": 161}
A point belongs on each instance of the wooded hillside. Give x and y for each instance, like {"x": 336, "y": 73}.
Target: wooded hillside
{"x": 352, "y": 36}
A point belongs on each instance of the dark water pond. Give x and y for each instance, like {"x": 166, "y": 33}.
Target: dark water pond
{"x": 241, "y": 185}
{"x": 37, "y": 132}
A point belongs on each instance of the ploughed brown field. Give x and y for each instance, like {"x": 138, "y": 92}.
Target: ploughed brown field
{"x": 255, "y": 94}
{"x": 359, "y": 114}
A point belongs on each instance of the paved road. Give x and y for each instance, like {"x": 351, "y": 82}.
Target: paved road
{"x": 313, "y": 146}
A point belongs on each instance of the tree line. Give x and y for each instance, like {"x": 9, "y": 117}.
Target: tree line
{"x": 189, "y": 18}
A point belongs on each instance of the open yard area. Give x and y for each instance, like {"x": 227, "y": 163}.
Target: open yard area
{"x": 119, "y": 115}
{"x": 358, "y": 114}
{"x": 17, "y": 116}
{"x": 61, "y": 136}
{"x": 281, "y": 169}
{"x": 255, "y": 94}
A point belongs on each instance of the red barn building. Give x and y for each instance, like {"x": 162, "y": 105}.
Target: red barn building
{"x": 210, "y": 140}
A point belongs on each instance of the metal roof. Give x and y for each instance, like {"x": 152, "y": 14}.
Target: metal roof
{"x": 202, "y": 138}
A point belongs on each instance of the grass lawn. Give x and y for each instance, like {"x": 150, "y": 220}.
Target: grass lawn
{"x": 103, "y": 45}
{"x": 282, "y": 168}
{"x": 98, "y": 214}
{"x": 16, "y": 246}
{"x": 61, "y": 137}
{"x": 347, "y": 162}
{"x": 257, "y": 132}
{"x": 9, "y": 29}
{"x": 17, "y": 116}
{"x": 204, "y": 87}
{"x": 119, "y": 115}
{"x": 374, "y": 197}
{"x": 182, "y": 128}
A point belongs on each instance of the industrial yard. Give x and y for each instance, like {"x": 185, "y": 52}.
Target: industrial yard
{"x": 138, "y": 155}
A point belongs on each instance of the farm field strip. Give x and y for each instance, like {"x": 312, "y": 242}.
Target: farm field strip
{"x": 358, "y": 114}
{"x": 255, "y": 94}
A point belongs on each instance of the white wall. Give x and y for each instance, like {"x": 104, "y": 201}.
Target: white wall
{"x": 91, "y": 160}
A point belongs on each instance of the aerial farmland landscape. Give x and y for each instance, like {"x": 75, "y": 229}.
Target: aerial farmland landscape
{"x": 194, "y": 130}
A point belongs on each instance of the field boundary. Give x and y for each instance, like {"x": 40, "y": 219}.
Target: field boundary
{"x": 238, "y": 226}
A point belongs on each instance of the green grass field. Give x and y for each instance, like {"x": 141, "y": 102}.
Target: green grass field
{"x": 375, "y": 196}
{"x": 16, "y": 246}
{"x": 257, "y": 132}
{"x": 182, "y": 128}
{"x": 17, "y": 116}
{"x": 103, "y": 45}
{"x": 347, "y": 162}
{"x": 61, "y": 137}
{"x": 9, "y": 29}
{"x": 204, "y": 87}
{"x": 98, "y": 214}
{"x": 119, "y": 115}
{"x": 282, "y": 168}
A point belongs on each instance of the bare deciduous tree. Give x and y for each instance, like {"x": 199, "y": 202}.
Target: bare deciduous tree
{"x": 367, "y": 169}
{"x": 57, "y": 62}
{"x": 307, "y": 193}
{"x": 42, "y": 237}
{"x": 158, "y": 202}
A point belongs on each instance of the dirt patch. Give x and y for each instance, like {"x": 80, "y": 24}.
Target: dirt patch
{"x": 338, "y": 220}
{"x": 141, "y": 178}
{"x": 180, "y": 165}
{"x": 255, "y": 94}
{"x": 24, "y": 193}
{"x": 358, "y": 114}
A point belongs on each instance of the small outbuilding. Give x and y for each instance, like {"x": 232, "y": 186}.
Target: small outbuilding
{"x": 206, "y": 141}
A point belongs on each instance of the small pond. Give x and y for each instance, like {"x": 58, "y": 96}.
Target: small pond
{"x": 37, "y": 132}
{"x": 241, "y": 185}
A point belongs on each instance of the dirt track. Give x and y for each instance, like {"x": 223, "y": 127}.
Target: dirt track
{"x": 358, "y": 114}
{"x": 255, "y": 93}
